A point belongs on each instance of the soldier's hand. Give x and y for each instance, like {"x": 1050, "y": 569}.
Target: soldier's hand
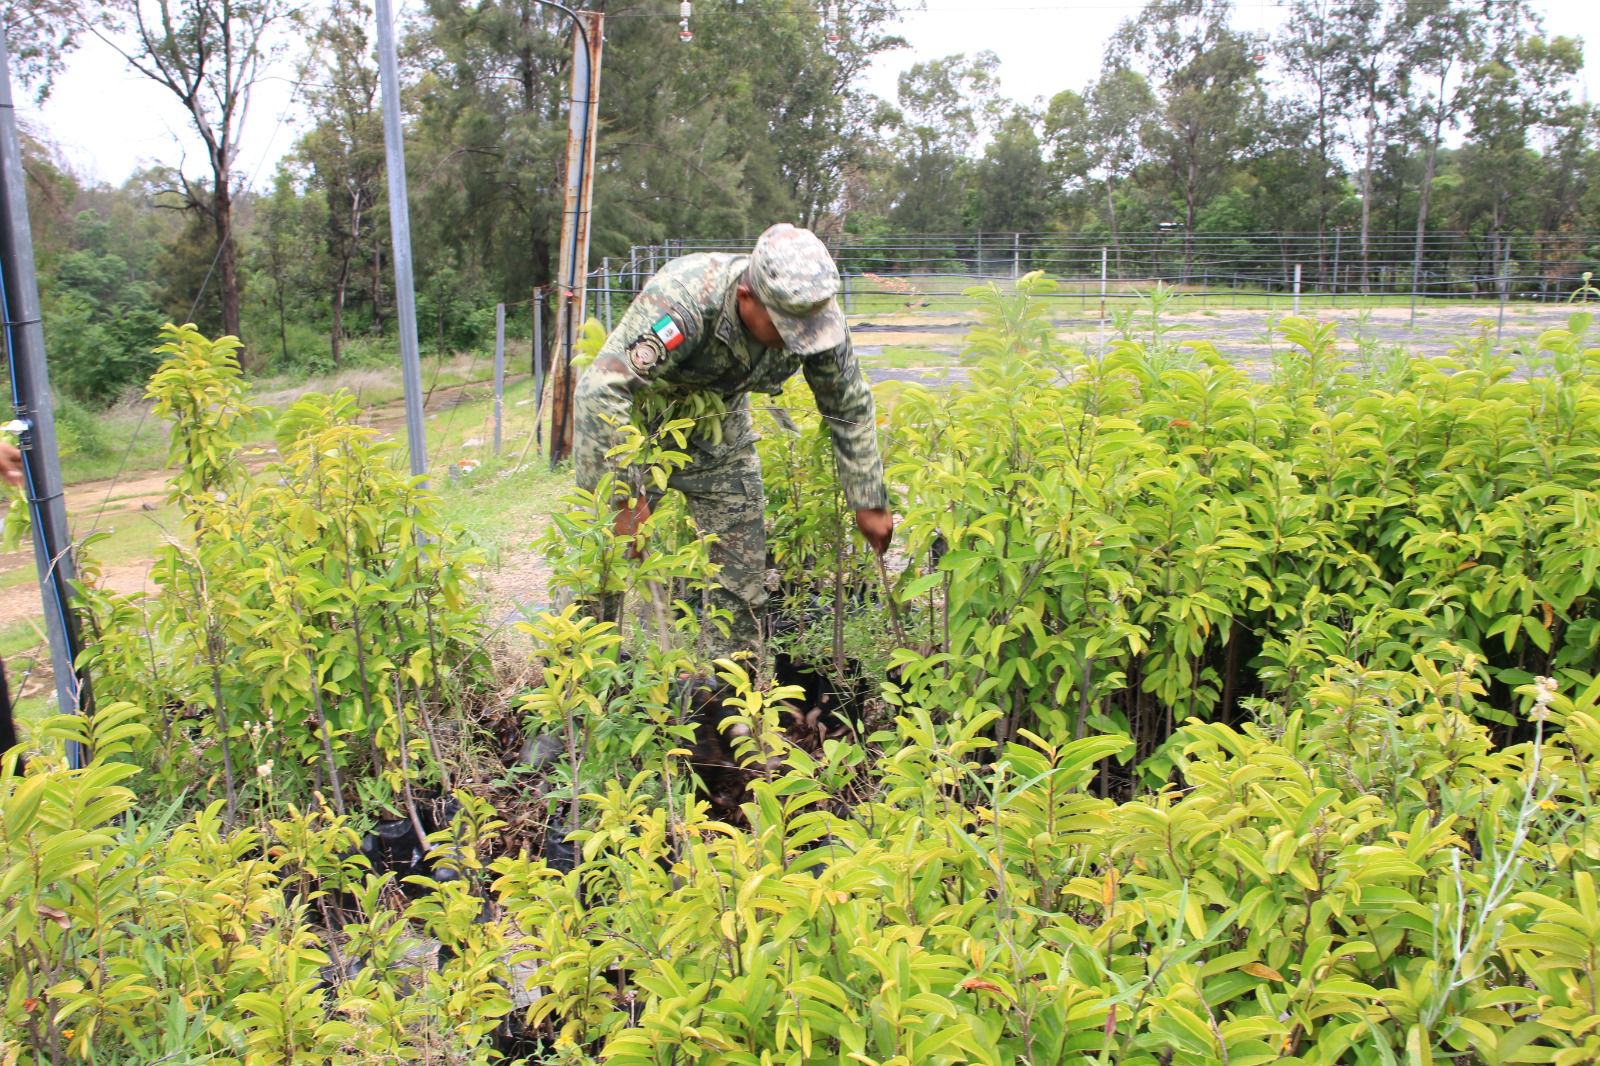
{"x": 877, "y": 525}
{"x": 630, "y": 520}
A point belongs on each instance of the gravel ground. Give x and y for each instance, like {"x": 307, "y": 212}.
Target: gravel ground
{"x": 1239, "y": 334}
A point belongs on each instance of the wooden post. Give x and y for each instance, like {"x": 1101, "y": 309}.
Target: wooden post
{"x": 583, "y": 123}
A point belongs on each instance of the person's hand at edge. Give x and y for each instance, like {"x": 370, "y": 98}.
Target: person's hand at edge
{"x": 877, "y": 526}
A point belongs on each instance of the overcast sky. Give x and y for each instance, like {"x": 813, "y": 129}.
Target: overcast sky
{"x": 109, "y": 121}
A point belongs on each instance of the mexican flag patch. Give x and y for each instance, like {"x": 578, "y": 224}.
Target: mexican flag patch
{"x": 671, "y": 336}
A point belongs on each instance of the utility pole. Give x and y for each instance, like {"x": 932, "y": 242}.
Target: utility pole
{"x": 405, "y": 297}
{"x": 583, "y": 124}
{"x": 23, "y": 333}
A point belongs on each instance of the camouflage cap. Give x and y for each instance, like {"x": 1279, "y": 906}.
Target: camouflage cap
{"x": 794, "y": 278}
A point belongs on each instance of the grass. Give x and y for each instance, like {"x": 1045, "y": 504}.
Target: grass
{"x": 905, "y": 356}
{"x": 943, "y": 295}
{"x": 135, "y": 441}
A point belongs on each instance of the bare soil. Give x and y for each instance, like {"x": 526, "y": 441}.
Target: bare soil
{"x": 1238, "y": 333}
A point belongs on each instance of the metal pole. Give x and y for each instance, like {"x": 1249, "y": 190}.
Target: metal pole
{"x": 1505, "y": 286}
{"x": 1337, "y": 234}
{"x": 1016, "y": 256}
{"x": 633, "y": 267}
{"x": 1297, "y": 288}
{"x": 30, "y": 384}
{"x": 1102, "y": 300}
{"x": 400, "y": 233}
{"x": 538, "y": 359}
{"x": 499, "y": 373}
{"x": 605, "y": 287}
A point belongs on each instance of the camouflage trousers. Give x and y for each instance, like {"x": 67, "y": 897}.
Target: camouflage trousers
{"x": 726, "y": 500}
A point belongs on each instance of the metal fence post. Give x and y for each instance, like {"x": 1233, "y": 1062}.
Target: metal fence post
{"x": 400, "y": 234}
{"x": 41, "y": 461}
{"x": 499, "y": 372}
{"x": 605, "y": 287}
{"x": 1297, "y": 288}
{"x": 1102, "y": 300}
{"x": 538, "y": 356}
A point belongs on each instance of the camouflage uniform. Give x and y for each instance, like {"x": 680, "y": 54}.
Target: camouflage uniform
{"x": 683, "y": 333}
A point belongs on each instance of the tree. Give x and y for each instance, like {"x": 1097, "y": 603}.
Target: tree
{"x": 945, "y": 106}
{"x": 1013, "y": 187}
{"x": 1115, "y": 110}
{"x": 1524, "y": 91}
{"x": 1311, "y": 51}
{"x": 1444, "y": 44}
{"x": 813, "y": 115}
{"x": 1210, "y": 100}
{"x": 209, "y": 55}
{"x": 38, "y": 36}
{"x": 1367, "y": 39}
{"x": 344, "y": 148}
{"x": 289, "y": 259}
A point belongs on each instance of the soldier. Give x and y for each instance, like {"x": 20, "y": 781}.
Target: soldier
{"x": 737, "y": 324}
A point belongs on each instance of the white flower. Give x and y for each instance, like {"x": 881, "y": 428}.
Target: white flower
{"x": 264, "y": 771}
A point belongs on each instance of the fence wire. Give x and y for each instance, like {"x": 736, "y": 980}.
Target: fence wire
{"x": 1336, "y": 267}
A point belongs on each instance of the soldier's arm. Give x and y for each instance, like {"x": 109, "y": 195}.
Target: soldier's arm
{"x": 637, "y": 353}
{"x": 845, "y": 403}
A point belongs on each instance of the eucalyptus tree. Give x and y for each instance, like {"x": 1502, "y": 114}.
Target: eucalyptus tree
{"x": 210, "y": 55}
{"x": 1210, "y": 98}
{"x": 946, "y": 106}
{"x": 1101, "y": 134}
{"x": 38, "y": 35}
{"x": 1368, "y": 85}
{"x": 1310, "y": 47}
{"x": 1524, "y": 101}
{"x": 1014, "y": 191}
{"x": 1444, "y": 45}
{"x": 343, "y": 150}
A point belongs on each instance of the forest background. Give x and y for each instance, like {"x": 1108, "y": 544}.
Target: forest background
{"x": 1372, "y": 119}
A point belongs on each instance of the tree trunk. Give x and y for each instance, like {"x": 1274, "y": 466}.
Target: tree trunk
{"x": 283, "y": 320}
{"x": 336, "y": 330}
{"x": 377, "y": 288}
{"x": 1422, "y": 216}
{"x": 227, "y": 262}
{"x": 1322, "y": 182}
{"x": 1366, "y": 202}
{"x": 1111, "y": 212}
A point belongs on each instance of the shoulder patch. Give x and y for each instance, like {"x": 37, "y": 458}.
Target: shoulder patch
{"x": 667, "y": 331}
{"x": 645, "y": 353}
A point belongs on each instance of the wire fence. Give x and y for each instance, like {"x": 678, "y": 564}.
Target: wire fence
{"x": 1337, "y": 268}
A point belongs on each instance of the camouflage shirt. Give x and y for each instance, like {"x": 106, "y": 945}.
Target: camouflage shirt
{"x": 683, "y": 332}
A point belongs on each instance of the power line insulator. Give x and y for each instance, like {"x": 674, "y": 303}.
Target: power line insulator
{"x": 685, "y": 10}
{"x": 831, "y": 22}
